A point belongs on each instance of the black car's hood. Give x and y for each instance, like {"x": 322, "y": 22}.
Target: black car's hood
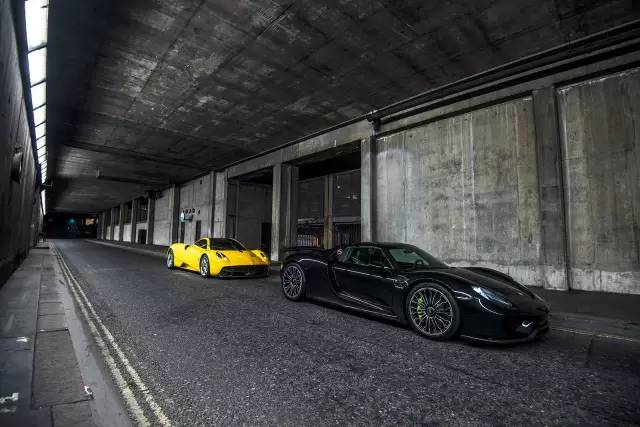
{"x": 487, "y": 278}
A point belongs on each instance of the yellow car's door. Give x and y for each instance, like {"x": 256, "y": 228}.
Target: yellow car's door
{"x": 194, "y": 252}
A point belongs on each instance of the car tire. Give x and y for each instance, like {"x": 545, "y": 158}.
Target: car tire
{"x": 205, "y": 267}
{"x": 293, "y": 282}
{"x": 433, "y": 312}
{"x": 170, "y": 260}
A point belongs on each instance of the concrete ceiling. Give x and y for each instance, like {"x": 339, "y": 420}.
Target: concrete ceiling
{"x": 156, "y": 92}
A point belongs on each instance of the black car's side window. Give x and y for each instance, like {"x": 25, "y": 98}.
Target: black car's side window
{"x": 368, "y": 256}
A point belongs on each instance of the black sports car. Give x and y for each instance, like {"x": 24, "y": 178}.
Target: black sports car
{"x": 402, "y": 282}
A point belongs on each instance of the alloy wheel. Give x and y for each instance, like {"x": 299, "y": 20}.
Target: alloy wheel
{"x": 170, "y": 259}
{"x": 204, "y": 266}
{"x": 292, "y": 280}
{"x": 431, "y": 311}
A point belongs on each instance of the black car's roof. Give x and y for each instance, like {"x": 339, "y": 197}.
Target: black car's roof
{"x": 383, "y": 244}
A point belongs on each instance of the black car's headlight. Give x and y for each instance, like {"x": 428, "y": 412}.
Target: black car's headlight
{"x": 492, "y": 296}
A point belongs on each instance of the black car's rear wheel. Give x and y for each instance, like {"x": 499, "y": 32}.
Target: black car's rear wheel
{"x": 293, "y": 282}
{"x": 170, "y": 260}
{"x": 204, "y": 266}
{"x": 432, "y": 311}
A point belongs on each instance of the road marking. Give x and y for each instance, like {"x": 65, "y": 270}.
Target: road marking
{"x": 86, "y": 307}
{"x": 595, "y": 334}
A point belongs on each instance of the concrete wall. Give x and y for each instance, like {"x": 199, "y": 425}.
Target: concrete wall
{"x": 126, "y": 233}
{"x": 254, "y": 208}
{"x": 196, "y": 194}
{"x": 116, "y": 232}
{"x": 601, "y": 142}
{"x": 162, "y": 219}
{"x": 20, "y": 214}
{"x": 465, "y": 188}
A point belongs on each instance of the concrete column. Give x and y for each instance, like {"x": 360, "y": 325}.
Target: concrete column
{"x": 123, "y": 207}
{"x": 237, "y": 211}
{"x": 367, "y": 188}
{"x": 220, "y": 205}
{"x": 328, "y": 211}
{"x": 284, "y": 223}
{"x": 212, "y": 203}
{"x": 174, "y": 212}
{"x": 112, "y": 221}
{"x": 135, "y": 204}
{"x": 151, "y": 213}
{"x": 551, "y": 187}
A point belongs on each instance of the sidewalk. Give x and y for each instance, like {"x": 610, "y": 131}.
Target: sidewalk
{"x": 41, "y": 381}
{"x": 598, "y": 313}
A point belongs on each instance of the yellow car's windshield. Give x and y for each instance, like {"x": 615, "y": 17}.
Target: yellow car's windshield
{"x": 226, "y": 245}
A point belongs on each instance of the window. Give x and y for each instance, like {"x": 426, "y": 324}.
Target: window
{"x": 226, "y": 245}
{"x": 202, "y": 243}
{"x": 346, "y": 194}
{"x": 127, "y": 213}
{"x": 412, "y": 257}
{"x": 368, "y": 256}
{"x": 143, "y": 209}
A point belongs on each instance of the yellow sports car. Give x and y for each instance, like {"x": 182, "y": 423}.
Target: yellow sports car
{"x": 218, "y": 257}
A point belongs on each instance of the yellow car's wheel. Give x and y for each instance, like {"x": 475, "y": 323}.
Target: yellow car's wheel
{"x": 170, "y": 260}
{"x": 204, "y": 266}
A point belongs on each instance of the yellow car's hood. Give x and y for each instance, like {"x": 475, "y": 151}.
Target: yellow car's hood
{"x": 239, "y": 258}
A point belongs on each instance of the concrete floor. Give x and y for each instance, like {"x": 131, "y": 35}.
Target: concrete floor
{"x": 236, "y": 352}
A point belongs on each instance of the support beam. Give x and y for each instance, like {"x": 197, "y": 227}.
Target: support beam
{"x": 151, "y": 213}
{"x": 551, "y": 187}
{"x": 174, "y": 213}
{"x": 112, "y": 222}
{"x": 212, "y": 203}
{"x": 220, "y": 205}
{"x": 123, "y": 208}
{"x": 367, "y": 188}
{"x": 328, "y": 211}
{"x": 135, "y": 205}
{"x": 284, "y": 211}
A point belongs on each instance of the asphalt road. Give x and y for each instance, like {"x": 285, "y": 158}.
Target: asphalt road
{"x": 236, "y": 352}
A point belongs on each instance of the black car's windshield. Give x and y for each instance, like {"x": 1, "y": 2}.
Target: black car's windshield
{"x": 411, "y": 258}
{"x": 226, "y": 245}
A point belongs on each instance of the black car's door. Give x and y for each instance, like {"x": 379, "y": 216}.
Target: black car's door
{"x": 363, "y": 276}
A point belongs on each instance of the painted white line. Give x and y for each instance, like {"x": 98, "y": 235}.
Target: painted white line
{"x": 157, "y": 410}
{"x": 595, "y": 334}
{"x": 125, "y": 390}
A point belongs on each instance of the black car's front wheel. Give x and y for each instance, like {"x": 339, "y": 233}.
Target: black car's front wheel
{"x": 433, "y": 312}
{"x": 293, "y": 282}
{"x": 204, "y": 266}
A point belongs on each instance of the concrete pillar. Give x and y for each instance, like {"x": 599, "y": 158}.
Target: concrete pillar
{"x": 123, "y": 207}
{"x": 220, "y": 205}
{"x": 551, "y": 188}
{"x": 367, "y": 188}
{"x": 135, "y": 205}
{"x": 112, "y": 220}
{"x": 212, "y": 203}
{"x": 174, "y": 212}
{"x": 237, "y": 211}
{"x": 151, "y": 213}
{"x": 328, "y": 211}
{"x": 284, "y": 223}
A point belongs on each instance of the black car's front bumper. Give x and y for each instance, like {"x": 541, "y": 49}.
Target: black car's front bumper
{"x": 484, "y": 323}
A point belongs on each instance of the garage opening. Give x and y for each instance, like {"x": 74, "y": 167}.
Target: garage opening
{"x": 329, "y": 199}
{"x": 249, "y": 209}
